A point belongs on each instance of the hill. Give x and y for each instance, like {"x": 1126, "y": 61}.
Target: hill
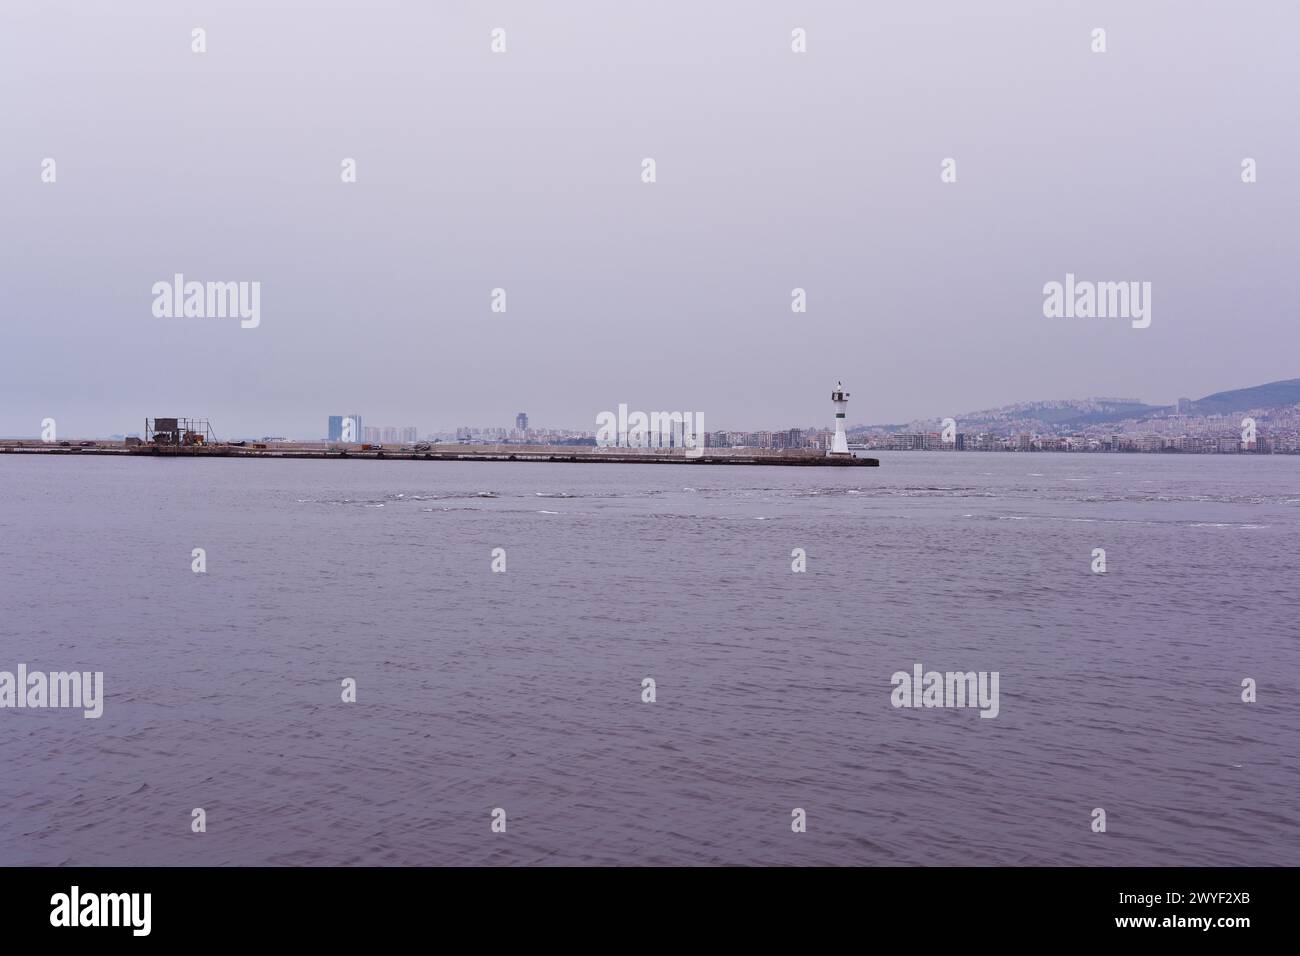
{"x": 1285, "y": 392}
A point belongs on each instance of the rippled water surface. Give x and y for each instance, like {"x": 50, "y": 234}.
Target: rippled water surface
{"x": 522, "y": 690}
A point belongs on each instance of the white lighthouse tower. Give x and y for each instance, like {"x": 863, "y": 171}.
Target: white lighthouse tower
{"x": 840, "y": 398}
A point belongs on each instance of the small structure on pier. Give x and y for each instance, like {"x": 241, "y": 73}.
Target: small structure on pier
{"x": 178, "y": 431}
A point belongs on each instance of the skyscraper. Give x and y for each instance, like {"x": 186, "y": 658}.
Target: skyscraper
{"x": 345, "y": 428}
{"x": 521, "y": 421}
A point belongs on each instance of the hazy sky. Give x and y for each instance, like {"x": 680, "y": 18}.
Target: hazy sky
{"x": 522, "y": 170}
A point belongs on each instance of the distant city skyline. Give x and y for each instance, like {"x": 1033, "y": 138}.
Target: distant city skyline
{"x": 1285, "y": 392}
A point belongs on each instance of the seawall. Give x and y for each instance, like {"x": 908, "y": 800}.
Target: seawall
{"x": 587, "y": 454}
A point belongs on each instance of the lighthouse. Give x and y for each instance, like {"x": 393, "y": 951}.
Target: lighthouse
{"x": 840, "y": 398}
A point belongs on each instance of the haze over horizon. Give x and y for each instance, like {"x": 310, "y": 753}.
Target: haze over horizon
{"x": 309, "y": 435}
{"x": 522, "y": 171}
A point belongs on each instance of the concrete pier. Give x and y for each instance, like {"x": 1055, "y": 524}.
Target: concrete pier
{"x": 444, "y": 452}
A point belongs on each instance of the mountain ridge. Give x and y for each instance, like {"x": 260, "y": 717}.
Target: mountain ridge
{"x": 1095, "y": 411}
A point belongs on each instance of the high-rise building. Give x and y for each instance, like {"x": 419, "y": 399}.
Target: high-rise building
{"x": 345, "y": 428}
{"x": 791, "y": 438}
{"x": 521, "y": 421}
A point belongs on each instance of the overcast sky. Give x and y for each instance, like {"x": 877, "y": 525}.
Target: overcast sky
{"x": 523, "y": 170}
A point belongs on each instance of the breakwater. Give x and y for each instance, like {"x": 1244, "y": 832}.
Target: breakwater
{"x": 580, "y": 454}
